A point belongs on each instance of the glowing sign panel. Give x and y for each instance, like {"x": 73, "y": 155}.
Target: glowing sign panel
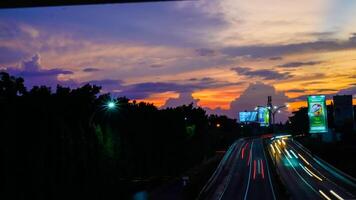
{"x": 318, "y": 122}
{"x": 248, "y": 116}
{"x": 263, "y": 116}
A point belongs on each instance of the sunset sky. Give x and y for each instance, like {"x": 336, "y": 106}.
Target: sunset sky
{"x": 224, "y": 55}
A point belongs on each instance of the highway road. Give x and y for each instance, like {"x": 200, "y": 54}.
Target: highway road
{"x": 306, "y": 176}
{"x": 242, "y": 174}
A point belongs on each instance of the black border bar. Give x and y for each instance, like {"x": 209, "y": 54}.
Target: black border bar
{"x": 44, "y": 3}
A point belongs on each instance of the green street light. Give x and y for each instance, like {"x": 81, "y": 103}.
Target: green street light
{"x": 111, "y": 105}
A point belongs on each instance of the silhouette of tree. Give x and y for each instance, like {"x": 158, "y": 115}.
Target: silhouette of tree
{"x": 64, "y": 144}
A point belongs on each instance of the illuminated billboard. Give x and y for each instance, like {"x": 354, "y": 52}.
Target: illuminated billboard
{"x": 318, "y": 122}
{"x": 248, "y": 116}
{"x": 263, "y": 116}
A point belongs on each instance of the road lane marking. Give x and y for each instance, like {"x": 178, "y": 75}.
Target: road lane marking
{"x": 324, "y": 195}
{"x": 336, "y": 195}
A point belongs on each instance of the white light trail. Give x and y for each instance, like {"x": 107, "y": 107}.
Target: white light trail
{"x": 303, "y": 159}
{"x": 295, "y": 155}
{"x": 336, "y": 195}
{"x": 314, "y": 174}
{"x": 288, "y": 153}
{"x": 305, "y": 170}
{"x": 272, "y": 149}
{"x": 279, "y": 151}
{"x": 324, "y": 195}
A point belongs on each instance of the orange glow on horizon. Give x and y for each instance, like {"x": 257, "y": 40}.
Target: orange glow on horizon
{"x": 160, "y": 98}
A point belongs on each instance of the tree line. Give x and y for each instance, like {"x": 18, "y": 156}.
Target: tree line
{"x": 64, "y": 144}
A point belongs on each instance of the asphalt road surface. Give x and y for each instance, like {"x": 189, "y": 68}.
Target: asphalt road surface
{"x": 305, "y": 176}
{"x": 242, "y": 174}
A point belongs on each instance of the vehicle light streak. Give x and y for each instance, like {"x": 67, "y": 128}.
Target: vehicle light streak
{"x": 279, "y": 142}
{"x": 279, "y": 151}
{"x": 242, "y": 153}
{"x": 249, "y": 158}
{"x": 336, "y": 195}
{"x": 272, "y": 149}
{"x": 282, "y": 136}
{"x": 303, "y": 159}
{"x": 288, "y": 153}
{"x": 258, "y": 167}
{"x": 324, "y": 195}
{"x": 254, "y": 169}
{"x": 305, "y": 170}
{"x": 263, "y": 171}
{"x": 295, "y": 155}
{"x": 314, "y": 174}
{"x": 301, "y": 176}
{"x": 283, "y": 142}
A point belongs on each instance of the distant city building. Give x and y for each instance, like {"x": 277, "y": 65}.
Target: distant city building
{"x": 343, "y": 111}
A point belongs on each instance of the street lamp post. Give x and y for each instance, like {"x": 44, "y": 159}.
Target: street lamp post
{"x": 273, "y": 110}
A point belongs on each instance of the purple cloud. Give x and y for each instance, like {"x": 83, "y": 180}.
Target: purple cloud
{"x": 205, "y": 52}
{"x": 258, "y": 51}
{"x": 185, "y": 98}
{"x": 32, "y": 72}
{"x": 299, "y": 64}
{"x": 91, "y": 69}
{"x": 256, "y": 94}
{"x": 265, "y": 74}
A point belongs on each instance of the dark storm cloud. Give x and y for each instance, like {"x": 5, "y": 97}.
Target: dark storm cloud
{"x": 299, "y": 64}
{"x": 91, "y": 69}
{"x": 144, "y": 90}
{"x": 258, "y": 51}
{"x": 265, "y": 74}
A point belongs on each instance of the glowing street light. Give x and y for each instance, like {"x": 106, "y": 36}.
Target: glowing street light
{"x": 111, "y": 105}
